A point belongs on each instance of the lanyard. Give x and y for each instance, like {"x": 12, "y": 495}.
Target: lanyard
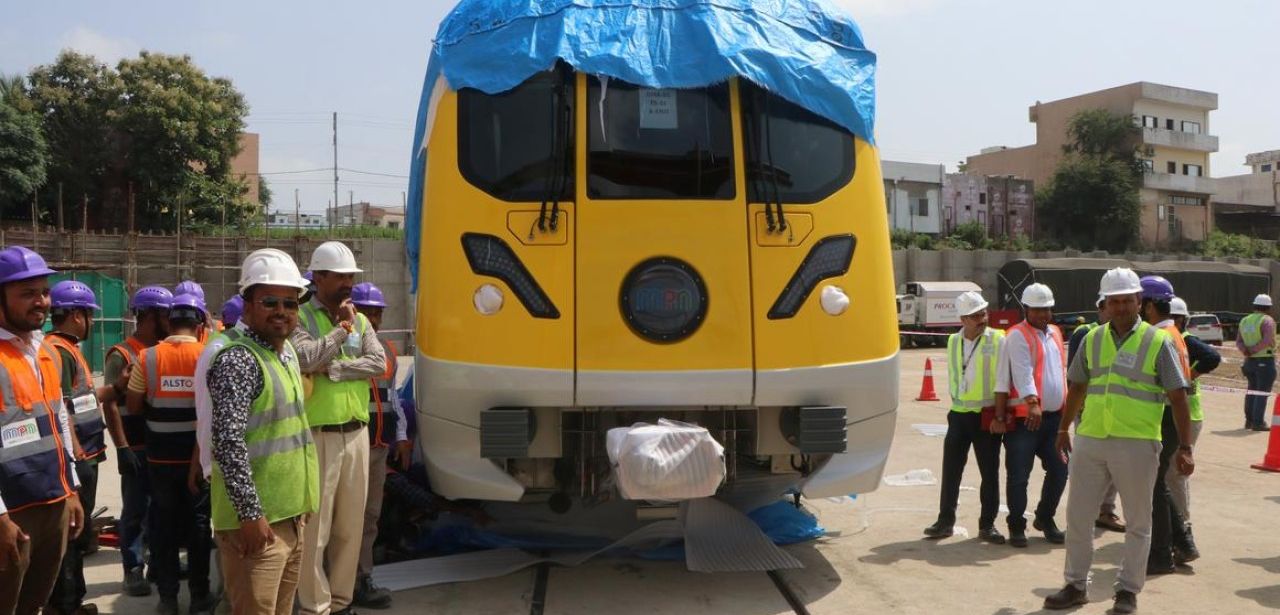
{"x": 964, "y": 366}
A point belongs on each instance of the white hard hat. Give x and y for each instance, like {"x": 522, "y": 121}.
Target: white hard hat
{"x": 334, "y": 256}
{"x": 970, "y": 303}
{"x": 1263, "y": 300}
{"x": 1120, "y": 281}
{"x": 1178, "y": 307}
{"x": 271, "y": 267}
{"x": 1037, "y": 296}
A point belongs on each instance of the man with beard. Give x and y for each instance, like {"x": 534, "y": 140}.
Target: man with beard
{"x": 341, "y": 353}
{"x": 265, "y": 477}
{"x": 39, "y": 506}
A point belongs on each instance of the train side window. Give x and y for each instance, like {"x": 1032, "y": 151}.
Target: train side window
{"x": 658, "y": 144}
{"x": 810, "y": 156}
{"x": 510, "y": 143}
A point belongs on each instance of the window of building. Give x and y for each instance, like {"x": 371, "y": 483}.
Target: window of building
{"x": 510, "y": 144}
{"x": 922, "y": 207}
{"x": 645, "y": 143}
{"x": 1178, "y": 199}
{"x": 1149, "y": 166}
{"x": 982, "y": 198}
{"x": 809, "y": 157}
{"x": 1193, "y": 170}
{"x": 1171, "y": 167}
{"x": 1266, "y": 168}
{"x": 1150, "y": 121}
{"x": 1191, "y": 127}
{"x": 1168, "y": 124}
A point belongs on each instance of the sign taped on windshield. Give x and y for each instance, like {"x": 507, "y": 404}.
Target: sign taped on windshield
{"x": 658, "y": 109}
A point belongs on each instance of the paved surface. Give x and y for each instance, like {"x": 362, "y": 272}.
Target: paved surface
{"x": 874, "y": 561}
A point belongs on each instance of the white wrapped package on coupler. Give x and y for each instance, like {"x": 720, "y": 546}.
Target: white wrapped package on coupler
{"x": 667, "y": 461}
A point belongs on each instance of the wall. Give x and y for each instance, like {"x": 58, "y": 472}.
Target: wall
{"x": 214, "y": 262}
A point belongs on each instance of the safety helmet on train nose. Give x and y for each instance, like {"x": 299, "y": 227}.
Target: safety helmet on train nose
{"x": 970, "y": 303}
{"x": 1037, "y": 296}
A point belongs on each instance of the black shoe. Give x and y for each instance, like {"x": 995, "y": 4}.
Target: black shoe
{"x": 1018, "y": 537}
{"x": 1155, "y": 569}
{"x": 167, "y": 606}
{"x": 135, "y": 583}
{"x": 991, "y": 535}
{"x": 203, "y": 604}
{"x": 1126, "y": 602}
{"x": 371, "y": 596}
{"x": 1185, "y": 551}
{"x": 346, "y": 611}
{"x": 1261, "y": 427}
{"x": 1066, "y": 598}
{"x": 1051, "y": 531}
{"x": 940, "y": 530}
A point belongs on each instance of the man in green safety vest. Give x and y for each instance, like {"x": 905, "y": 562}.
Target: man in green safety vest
{"x": 1257, "y": 342}
{"x": 339, "y": 350}
{"x": 971, "y": 376}
{"x": 1121, "y": 378}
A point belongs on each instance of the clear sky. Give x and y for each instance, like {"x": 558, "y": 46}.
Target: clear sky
{"x": 955, "y": 76}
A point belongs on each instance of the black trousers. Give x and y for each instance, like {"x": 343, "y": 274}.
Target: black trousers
{"x": 181, "y": 518}
{"x": 1167, "y": 526}
{"x": 69, "y": 590}
{"x": 964, "y": 431}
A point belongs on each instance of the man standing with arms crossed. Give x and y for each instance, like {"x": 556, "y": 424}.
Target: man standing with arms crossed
{"x": 340, "y": 351}
{"x": 1121, "y": 378}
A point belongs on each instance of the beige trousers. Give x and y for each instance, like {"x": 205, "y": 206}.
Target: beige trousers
{"x": 1179, "y": 483}
{"x": 373, "y": 508}
{"x": 1131, "y": 465}
{"x": 265, "y": 583}
{"x": 334, "y": 534}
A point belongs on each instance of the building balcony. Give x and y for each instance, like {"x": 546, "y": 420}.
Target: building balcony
{"x": 1179, "y": 183}
{"x": 1179, "y": 140}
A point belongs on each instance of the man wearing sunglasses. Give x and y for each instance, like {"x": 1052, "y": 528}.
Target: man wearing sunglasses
{"x": 339, "y": 350}
{"x": 265, "y": 479}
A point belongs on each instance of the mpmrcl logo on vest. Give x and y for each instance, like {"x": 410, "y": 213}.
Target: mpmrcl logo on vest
{"x": 178, "y": 384}
{"x": 21, "y": 432}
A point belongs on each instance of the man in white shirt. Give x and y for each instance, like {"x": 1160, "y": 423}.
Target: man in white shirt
{"x": 1030, "y": 392}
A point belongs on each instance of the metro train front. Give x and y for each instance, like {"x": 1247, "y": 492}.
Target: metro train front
{"x": 677, "y": 233}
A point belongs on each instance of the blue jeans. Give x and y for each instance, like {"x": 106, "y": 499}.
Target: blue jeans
{"x": 135, "y": 491}
{"x": 1261, "y": 374}
{"x": 1022, "y": 447}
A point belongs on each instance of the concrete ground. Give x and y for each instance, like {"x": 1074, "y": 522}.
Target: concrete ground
{"x": 873, "y": 559}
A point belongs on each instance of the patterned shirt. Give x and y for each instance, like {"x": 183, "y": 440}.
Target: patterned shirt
{"x": 235, "y": 380}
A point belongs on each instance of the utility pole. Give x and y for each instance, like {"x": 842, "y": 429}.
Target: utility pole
{"x": 297, "y": 213}
{"x": 351, "y": 207}
{"x": 335, "y": 172}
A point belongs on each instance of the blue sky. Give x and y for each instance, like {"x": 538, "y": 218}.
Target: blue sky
{"x": 955, "y": 76}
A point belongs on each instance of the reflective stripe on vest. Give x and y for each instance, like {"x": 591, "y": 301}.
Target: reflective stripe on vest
{"x": 1124, "y": 398}
{"x": 1032, "y": 336}
{"x": 34, "y": 466}
{"x": 1193, "y": 393}
{"x": 135, "y": 426}
{"x": 382, "y": 419}
{"x": 1251, "y": 333}
{"x": 82, "y": 401}
{"x": 171, "y": 400}
{"x": 987, "y": 352}
{"x": 282, "y": 455}
{"x": 334, "y": 403}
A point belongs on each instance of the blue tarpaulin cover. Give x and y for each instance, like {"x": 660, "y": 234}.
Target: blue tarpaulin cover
{"x": 805, "y": 51}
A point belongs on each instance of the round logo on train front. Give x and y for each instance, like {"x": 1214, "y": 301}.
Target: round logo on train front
{"x": 663, "y": 299}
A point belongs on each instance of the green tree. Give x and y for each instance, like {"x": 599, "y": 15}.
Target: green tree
{"x": 1092, "y": 200}
{"x": 23, "y": 155}
{"x": 264, "y": 194}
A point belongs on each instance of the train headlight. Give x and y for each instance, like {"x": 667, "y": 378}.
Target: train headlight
{"x": 834, "y": 300}
{"x": 488, "y": 299}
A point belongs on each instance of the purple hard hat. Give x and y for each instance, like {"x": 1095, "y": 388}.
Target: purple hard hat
{"x": 18, "y": 263}
{"x": 151, "y": 298}
{"x": 365, "y": 294}
{"x": 232, "y": 310}
{"x": 71, "y": 295}
{"x": 187, "y": 303}
{"x": 188, "y": 287}
{"x": 1157, "y": 288}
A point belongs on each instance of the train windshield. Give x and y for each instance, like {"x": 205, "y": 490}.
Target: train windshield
{"x": 795, "y": 152}
{"x": 662, "y": 144}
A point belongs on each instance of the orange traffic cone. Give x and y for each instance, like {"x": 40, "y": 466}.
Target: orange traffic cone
{"x": 1271, "y": 462}
{"x": 926, "y": 388}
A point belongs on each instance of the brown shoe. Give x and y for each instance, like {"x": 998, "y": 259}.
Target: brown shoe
{"x": 1109, "y": 521}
